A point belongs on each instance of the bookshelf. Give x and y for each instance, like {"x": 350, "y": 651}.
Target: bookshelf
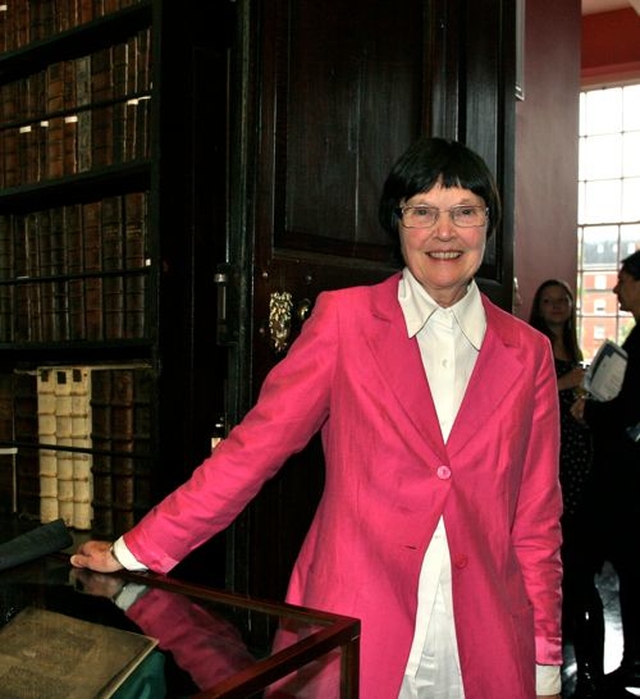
{"x": 80, "y": 246}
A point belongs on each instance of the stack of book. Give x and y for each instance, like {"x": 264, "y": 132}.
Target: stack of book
{"x": 75, "y": 272}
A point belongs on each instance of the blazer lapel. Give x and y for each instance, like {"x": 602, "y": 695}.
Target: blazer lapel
{"x": 400, "y": 365}
{"x": 497, "y": 360}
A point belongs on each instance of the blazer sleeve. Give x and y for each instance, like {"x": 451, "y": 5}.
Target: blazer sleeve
{"x": 536, "y": 531}
{"x": 292, "y": 406}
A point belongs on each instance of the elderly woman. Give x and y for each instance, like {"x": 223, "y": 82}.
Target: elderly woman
{"x": 439, "y": 522}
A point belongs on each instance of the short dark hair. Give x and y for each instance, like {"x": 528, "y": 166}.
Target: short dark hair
{"x": 631, "y": 265}
{"x": 427, "y": 162}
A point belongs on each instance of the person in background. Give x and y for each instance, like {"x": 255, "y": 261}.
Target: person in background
{"x": 439, "y": 524}
{"x": 553, "y": 312}
{"x": 617, "y": 475}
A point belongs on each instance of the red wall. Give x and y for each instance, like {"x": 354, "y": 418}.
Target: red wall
{"x": 547, "y": 148}
{"x": 610, "y": 47}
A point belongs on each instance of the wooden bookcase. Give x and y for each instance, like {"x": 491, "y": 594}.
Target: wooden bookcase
{"x": 99, "y": 237}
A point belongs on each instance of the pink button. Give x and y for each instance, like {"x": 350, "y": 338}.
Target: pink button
{"x": 461, "y": 561}
{"x": 443, "y": 472}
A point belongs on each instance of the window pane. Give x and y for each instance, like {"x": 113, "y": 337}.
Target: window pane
{"x": 604, "y": 111}
{"x": 602, "y": 201}
{"x": 631, "y": 154}
{"x": 600, "y": 157}
{"x": 631, "y": 118}
{"x": 631, "y": 199}
{"x": 629, "y": 239}
{"x": 600, "y": 246}
{"x": 608, "y": 209}
{"x": 581, "y": 206}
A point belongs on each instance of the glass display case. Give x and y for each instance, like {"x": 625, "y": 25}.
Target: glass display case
{"x": 206, "y": 638}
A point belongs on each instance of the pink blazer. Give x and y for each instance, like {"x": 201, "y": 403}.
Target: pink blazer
{"x": 354, "y": 374}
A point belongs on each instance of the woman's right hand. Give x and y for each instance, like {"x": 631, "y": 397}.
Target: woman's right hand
{"x": 95, "y": 555}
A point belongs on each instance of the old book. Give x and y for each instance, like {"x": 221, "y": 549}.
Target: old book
{"x": 25, "y": 414}
{"x": 112, "y": 261}
{"x": 81, "y": 439}
{"x": 122, "y": 444}
{"x": 83, "y": 100}
{"x": 102, "y": 116}
{"x": 46, "y": 271}
{"x": 45, "y": 654}
{"x": 135, "y": 224}
{"x": 48, "y": 469}
{"x": 75, "y": 268}
{"x": 131, "y": 95}
{"x": 55, "y": 130}
{"x": 4, "y": 43}
{"x": 143, "y": 105}
{"x": 32, "y": 244}
{"x": 8, "y": 495}
{"x": 7, "y": 273}
{"x": 27, "y": 154}
{"x": 21, "y": 308}
{"x": 119, "y": 72}
{"x": 142, "y": 420}
{"x": 63, "y": 382}
{"x": 70, "y": 120}
{"x": 92, "y": 250}
{"x": 101, "y": 432}
{"x": 58, "y": 269}
{"x": 10, "y": 112}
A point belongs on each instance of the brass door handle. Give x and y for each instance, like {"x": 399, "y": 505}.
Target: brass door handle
{"x": 280, "y": 307}
{"x": 281, "y": 318}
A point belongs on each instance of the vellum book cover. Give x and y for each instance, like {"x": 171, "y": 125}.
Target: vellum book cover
{"x": 47, "y": 655}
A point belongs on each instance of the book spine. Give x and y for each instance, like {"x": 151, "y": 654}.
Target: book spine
{"x": 101, "y": 432}
{"x": 34, "y": 315}
{"x": 81, "y": 439}
{"x": 48, "y": 471}
{"x": 70, "y": 119}
{"x": 75, "y": 266}
{"x": 8, "y": 491}
{"x": 63, "y": 380}
{"x": 143, "y": 107}
{"x": 9, "y": 106}
{"x": 21, "y": 309}
{"x": 83, "y": 99}
{"x": 135, "y": 260}
{"x": 112, "y": 259}
{"x": 120, "y": 111}
{"x": 58, "y": 269}
{"x": 122, "y": 412}
{"x": 25, "y": 411}
{"x": 92, "y": 237}
{"x": 131, "y": 95}
{"x": 45, "y": 263}
{"x": 4, "y": 33}
{"x": 55, "y": 130}
{"x": 102, "y": 116}
{"x": 142, "y": 421}
{"x": 7, "y": 267}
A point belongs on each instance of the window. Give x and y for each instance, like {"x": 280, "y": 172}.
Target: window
{"x": 608, "y": 208}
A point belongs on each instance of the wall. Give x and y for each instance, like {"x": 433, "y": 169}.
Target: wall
{"x": 547, "y": 148}
{"x": 610, "y": 47}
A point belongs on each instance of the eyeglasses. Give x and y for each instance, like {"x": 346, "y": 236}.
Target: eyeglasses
{"x": 420, "y": 216}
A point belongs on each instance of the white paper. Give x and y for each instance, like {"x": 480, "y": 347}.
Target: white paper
{"x": 604, "y": 376}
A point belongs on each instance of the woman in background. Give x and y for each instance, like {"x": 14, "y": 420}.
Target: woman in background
{"x": 553, "y": 313}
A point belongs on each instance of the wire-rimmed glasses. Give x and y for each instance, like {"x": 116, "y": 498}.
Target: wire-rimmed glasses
{"x": 423, "y": 216}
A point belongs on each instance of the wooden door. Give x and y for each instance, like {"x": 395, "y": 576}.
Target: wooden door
{"x": 326, "y": 97}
